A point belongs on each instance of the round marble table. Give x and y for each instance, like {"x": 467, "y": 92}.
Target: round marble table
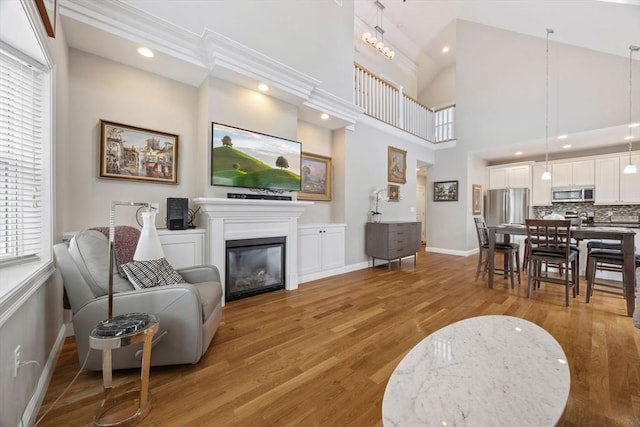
{"x": 482, "y": 371}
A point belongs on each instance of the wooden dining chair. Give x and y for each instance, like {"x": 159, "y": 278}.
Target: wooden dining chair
{"x": 510, "y": 250}
{"x": 550, "y": 242}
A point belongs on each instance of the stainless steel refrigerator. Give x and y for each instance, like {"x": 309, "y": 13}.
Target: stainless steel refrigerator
{"x": 506, "y": 206}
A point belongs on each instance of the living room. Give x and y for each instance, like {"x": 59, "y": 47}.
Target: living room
{"x": 313, "y": 73}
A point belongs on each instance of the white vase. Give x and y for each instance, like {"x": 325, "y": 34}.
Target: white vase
{"x": 376, "y": 217}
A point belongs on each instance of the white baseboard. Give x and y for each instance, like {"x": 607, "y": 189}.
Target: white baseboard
{"x": 30, "y": 414}
{"x": 334, "y": 272}
{"x": 451, "y": 251}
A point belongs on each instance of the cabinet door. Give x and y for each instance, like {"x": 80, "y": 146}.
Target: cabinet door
{"x": 607, "y": 183}
{"x": 561, "y": 175}
{"x": 497, "y": 178}
{"x": 630, "y": 183}
{"x": 583, "y": 173}
{"x": 182, "y": 249}
{"x": 541, "y": 193}
{"x": 519, "y": 177}
{"x": 310, "y": 250}
{"x": 332, "y": 248}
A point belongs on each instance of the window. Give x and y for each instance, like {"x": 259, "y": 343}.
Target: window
{"x": 21, "y": 153}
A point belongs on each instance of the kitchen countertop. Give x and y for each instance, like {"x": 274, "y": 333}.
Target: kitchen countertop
{"x": 613, "y": 224}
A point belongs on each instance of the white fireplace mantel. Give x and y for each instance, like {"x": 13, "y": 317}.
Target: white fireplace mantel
{"x": 233, "y": 219}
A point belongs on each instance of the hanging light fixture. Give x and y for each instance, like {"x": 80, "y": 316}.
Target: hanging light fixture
{"x": 546, "y": 175}
{"x": 377, "y": 41}
{"x": 630, "y": 168}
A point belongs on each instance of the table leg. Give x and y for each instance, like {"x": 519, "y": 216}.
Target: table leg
{"x": 144, "y": 372}
{"x": 491, "y": 256}
{"x": 629, "y": 276}
{"x": 505, "y": 258}
{"x": 107, "y": 379}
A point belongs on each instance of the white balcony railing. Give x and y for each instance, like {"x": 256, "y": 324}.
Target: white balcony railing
{"x": 387, "y": 103}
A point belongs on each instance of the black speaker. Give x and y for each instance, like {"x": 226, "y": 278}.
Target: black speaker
{"x": 177, "y": 213}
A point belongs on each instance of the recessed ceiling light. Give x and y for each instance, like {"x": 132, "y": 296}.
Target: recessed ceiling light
{"x": 263, "y": 87}
{"x": 146, "y": 52}
{"x": 563, "y": 136}
{"x": 566, "y": 146}
{"x": 445, "y": 49}
{"x": 324, "y": 116}
{"x": 634, "y": 125}
{"x": 518, "y": 153}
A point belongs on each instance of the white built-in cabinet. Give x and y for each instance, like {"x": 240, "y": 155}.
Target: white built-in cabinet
{"x": 573, "y": 174}
{"x": 183, "y": 248}
{"x": 612, "y": 186}
{"x": 321, "y": 248}
{"x": 541, "y": 191}
{"x": 510, "y": 177}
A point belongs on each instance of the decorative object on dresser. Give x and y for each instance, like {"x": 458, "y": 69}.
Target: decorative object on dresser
{"x": 445, "y": 191}
{"x": 397, "y": 165}
{"x": 378, "y": 195}
{"x": 477, "y": 199}
{"x": 392, "y": 240}
{"x": 137, "y": 154}
{"x": 316, "y": 178}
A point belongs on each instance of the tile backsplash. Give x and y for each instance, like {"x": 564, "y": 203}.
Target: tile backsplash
{"x": 600, "y": 211}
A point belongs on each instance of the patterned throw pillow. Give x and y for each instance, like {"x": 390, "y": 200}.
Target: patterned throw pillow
{"x": 147, "y": 274}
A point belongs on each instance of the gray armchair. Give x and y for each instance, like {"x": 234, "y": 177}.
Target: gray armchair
{"x": 189, "y": 313}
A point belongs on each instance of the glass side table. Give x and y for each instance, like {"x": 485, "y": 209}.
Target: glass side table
{"x": 122, "y": 331}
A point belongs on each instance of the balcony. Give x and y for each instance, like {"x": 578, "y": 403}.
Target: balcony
{"x": 386, "y": 102}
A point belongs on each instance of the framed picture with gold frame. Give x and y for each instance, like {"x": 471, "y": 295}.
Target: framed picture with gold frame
{"x": 136, "y": 154}
{"x": 397, "y": 166}
{"x": 477, "y": 199}
{"x": 315, "y": 177}
{"x": 393, "y": 192}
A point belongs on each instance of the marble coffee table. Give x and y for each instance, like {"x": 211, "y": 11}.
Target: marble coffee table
{"x": 483, "y": 371}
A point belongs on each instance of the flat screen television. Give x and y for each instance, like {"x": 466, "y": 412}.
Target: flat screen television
{"x": 244, "y": 158}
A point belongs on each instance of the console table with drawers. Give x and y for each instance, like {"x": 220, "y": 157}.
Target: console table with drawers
{"x": 392, "y": 240}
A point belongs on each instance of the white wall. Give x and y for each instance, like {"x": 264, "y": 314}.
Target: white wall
{"x": 441, "y": 91}
{"x": 103, "y": 89}
{"x": 316, "y": 140}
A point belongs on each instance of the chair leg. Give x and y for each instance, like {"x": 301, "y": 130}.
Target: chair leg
{"x": 530, "y": 278}
{"x": 479, "y": 264}
{"x": 518, "y": 265}
{"x": 510, "y": 267}
{"x": 525, "y": 258}
{"x": 590, "y": 273}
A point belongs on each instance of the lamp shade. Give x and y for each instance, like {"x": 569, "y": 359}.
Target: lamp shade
{"x": 630, "y": 169}
{"x": 149, "y": 247}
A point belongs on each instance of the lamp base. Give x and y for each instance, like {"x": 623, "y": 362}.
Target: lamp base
{"x": 123, "y": 325}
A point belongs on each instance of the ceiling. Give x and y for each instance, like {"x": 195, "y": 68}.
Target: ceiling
{"x": 418, "y": 29}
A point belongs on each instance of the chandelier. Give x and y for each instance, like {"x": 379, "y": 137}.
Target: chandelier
{"x": 630, "y": 168}
{"x": 377, "y": 41}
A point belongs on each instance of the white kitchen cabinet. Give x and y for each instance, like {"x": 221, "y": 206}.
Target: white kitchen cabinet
{"x": 630, "y": 184}
{"x": 183, "y": 248}
{"x": 321, "y": 249}
{"x": 607, "y": 183}
{"x": 510, "y": 177}
{"x": 541, "y": 192}
{"x": 573, "y": 174}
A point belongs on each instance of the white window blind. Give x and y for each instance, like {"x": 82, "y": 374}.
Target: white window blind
{"x": 21, "y": 98}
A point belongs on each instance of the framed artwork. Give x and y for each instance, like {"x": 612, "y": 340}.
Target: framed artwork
{"x": 445, "y": 191}
{"x": 316, "y": 177}
{"x": 477, "y": 199}
{"x": 393, "y": 192}
{"x": 397, "y": 168}
{"x": 48, "y": 10}
{"x": 136, "y": 154}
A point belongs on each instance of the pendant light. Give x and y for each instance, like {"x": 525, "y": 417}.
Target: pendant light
{"x": 546, "y": 176}
{"x": 630, "y": 168}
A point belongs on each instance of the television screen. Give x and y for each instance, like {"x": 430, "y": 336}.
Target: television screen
{"x": 244, "y": 158}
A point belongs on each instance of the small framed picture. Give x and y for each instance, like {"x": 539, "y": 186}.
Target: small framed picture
{"x": 477, "y": 199}
{"x": 445, "y": 191}
{"x": 393, "y": 192}
{"x": 136, "y": 154}
{"x": 316, "y": 178}
{"x": 397, "y": 167}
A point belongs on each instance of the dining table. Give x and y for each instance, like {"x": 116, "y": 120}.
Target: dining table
{"x": 624, "y": 235}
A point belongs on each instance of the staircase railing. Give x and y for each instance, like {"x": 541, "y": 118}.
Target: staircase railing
{"x": 386, "y": 102}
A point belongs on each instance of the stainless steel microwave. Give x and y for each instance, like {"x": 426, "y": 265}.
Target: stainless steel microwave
{"x": 573, "y": 194}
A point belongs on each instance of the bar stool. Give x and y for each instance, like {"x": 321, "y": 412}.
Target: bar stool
{"x": 510, "y": 250}
{"x": 607, "y": 259}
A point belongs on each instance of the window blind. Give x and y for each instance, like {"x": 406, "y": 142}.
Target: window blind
{"x": 21, "y": 123}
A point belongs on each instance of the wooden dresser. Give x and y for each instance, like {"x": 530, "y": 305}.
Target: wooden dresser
{"x": 392, "y": 240}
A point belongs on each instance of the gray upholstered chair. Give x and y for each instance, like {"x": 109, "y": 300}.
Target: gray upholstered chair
{"x": 189, "y": 313}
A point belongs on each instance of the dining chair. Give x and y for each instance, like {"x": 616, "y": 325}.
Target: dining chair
{"x": 511, "y": 251}
{"x": 608, "y": 257}
{"x": 550, "y": 241}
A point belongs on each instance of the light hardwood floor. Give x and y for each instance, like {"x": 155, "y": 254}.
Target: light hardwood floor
{"x": 322, "y": 355}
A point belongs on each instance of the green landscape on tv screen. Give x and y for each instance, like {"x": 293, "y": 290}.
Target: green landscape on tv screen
{"x": 243, "y": 158}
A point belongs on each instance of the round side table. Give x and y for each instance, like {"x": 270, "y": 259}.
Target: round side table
{"x": 116, "y": 334}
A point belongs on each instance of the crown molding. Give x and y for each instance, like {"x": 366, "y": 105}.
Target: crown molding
{"x": 326, "y": 102}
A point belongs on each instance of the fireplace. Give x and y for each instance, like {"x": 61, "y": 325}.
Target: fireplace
{"x": 254, "y": 266}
